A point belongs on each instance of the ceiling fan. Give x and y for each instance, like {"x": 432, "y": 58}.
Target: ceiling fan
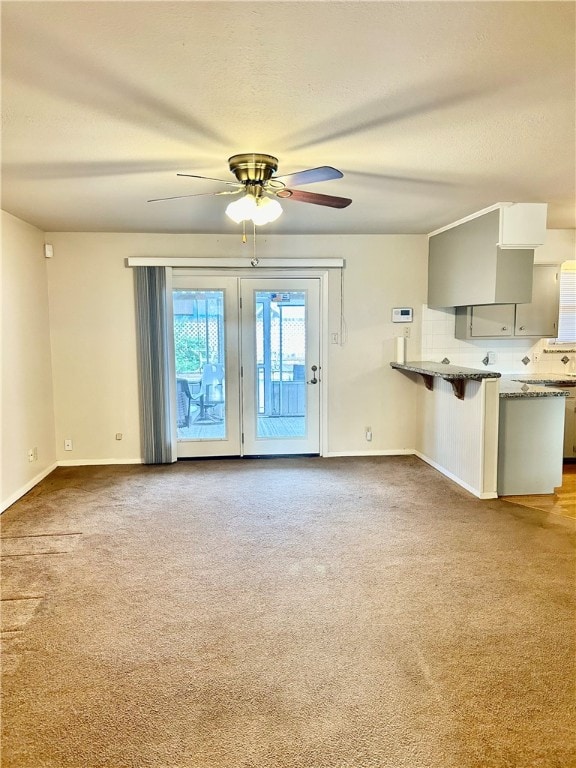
{"x": 254, "y": 174}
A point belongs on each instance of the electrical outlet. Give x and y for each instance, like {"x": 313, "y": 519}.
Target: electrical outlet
{"x": 535, "y": 357}
{"x": 369, "y": 433}
{"x": 68, "y": 444}
{"x": 30, "y": 454}
{"x": 406, "y": 332}
{"x": 118, "y": 435}
{"x": 334, "y": 338}
{"x": 491, "y": 358}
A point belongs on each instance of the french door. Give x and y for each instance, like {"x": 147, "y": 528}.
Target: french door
{"x": 280, "y": 377}
{"x": 247, "y": 363}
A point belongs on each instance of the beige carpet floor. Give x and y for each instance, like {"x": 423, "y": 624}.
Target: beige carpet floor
{"x": 284, "y": 613}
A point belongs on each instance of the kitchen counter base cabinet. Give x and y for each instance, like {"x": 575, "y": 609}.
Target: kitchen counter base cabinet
{"x": 570, "y": 424}
{"x": 530, "y": 445}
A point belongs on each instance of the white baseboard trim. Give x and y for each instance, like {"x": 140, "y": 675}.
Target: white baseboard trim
{"x": 45, "y": 472}
{"x": 333, "y": 454}
{"x": 393, "y": 452}
{"x": 97, "y": 462}
{"x": 28, "y": 487}
{"x": 450, "y": 476}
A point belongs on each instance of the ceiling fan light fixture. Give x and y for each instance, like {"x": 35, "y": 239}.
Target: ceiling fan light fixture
{"x": 267, "y": 210}
{"x": 243, "y": 209}
{"x": 261, "y": 210}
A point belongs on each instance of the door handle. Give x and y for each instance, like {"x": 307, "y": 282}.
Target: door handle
{"x": 313, "y": 380}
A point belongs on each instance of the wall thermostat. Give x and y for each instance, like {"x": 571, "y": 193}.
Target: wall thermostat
{"x": 402, "y": 315}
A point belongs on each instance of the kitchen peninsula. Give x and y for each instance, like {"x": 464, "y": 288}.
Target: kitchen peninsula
{"x": 471, "y": 433}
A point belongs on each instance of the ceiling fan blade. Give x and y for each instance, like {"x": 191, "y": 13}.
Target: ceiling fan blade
{"x": 208, "y": 178}
{"x": 312, "y": 197}
{"x": 199, "y": 194}
{"x": 323, "y": 173}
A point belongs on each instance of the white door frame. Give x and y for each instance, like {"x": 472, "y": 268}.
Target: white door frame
{"x": 291, "y": 273}
{"x": 309, "y": 442}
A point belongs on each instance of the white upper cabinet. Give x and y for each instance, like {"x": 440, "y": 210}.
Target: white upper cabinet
{"x": 522, "y": 225}
{"x": 486, "y": 258}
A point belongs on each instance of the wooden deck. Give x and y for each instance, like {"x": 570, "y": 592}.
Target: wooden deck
{"x": 273, "y": 427}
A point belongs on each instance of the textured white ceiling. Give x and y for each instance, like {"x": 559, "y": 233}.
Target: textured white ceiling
{"x": 432, "y": 110}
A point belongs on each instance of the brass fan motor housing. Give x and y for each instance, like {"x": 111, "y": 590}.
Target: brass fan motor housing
{"x": 253, "y": 168}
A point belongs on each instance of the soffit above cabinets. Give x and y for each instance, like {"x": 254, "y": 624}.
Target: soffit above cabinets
{"x": 486, "y": 258}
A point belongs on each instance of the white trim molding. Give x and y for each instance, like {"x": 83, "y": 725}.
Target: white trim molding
{"x": 97, "y": 462}
{"x": 233, "y": 262}
{"x": 23, "y": 490}
{"x": 387, "y": 452}
{"x": 472, "y": 216}
{"x": 455, "y": 479}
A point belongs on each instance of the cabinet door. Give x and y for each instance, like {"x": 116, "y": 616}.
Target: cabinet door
{"x": 540, "y": 317}
{"x": 570, "y": 426}
{"x": 492, "y": 320}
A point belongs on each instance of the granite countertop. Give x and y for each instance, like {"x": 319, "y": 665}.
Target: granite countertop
{"x": 512, "y": 388}
{"x": 535, "y": 385}
{"x": 555, "y": 379}
{"x": 448, "y": 372}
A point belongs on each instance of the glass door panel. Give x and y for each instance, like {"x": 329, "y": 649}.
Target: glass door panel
{"x": 200, "y": 364}
{"x": 281, "y": 363}
{"x": 205, "y": 340}
{"x": 280, "y": 334}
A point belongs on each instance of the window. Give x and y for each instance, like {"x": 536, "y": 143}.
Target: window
{"x": 567, "y": 317}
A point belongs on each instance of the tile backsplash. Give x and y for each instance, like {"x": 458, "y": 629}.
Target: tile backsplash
{"x": 509, "y": 355}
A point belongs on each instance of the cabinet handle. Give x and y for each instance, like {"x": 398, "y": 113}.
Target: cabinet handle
{"x": 522, "y": 327}
{"x": 504, "y": 328}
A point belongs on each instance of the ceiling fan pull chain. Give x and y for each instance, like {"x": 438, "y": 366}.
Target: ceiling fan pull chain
{"x": 254, "y": 261}
{"x": 244, "y": 231}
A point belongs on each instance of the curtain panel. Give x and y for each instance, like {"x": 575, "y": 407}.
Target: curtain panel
{"x": 154, "y": 345}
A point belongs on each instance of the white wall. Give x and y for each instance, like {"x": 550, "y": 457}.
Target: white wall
{"x": 92, "y": 323}
{"x": 93, "y": 327}
{"x": 27, "y": 405}
{"x": 382, "y": 272}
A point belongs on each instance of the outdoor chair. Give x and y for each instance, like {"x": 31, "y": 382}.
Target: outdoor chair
{"x": 183, "y": 402}
{"x": 211, "y": 394}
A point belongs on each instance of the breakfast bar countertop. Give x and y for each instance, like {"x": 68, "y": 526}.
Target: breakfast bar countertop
{"x": 455, "y": 374}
